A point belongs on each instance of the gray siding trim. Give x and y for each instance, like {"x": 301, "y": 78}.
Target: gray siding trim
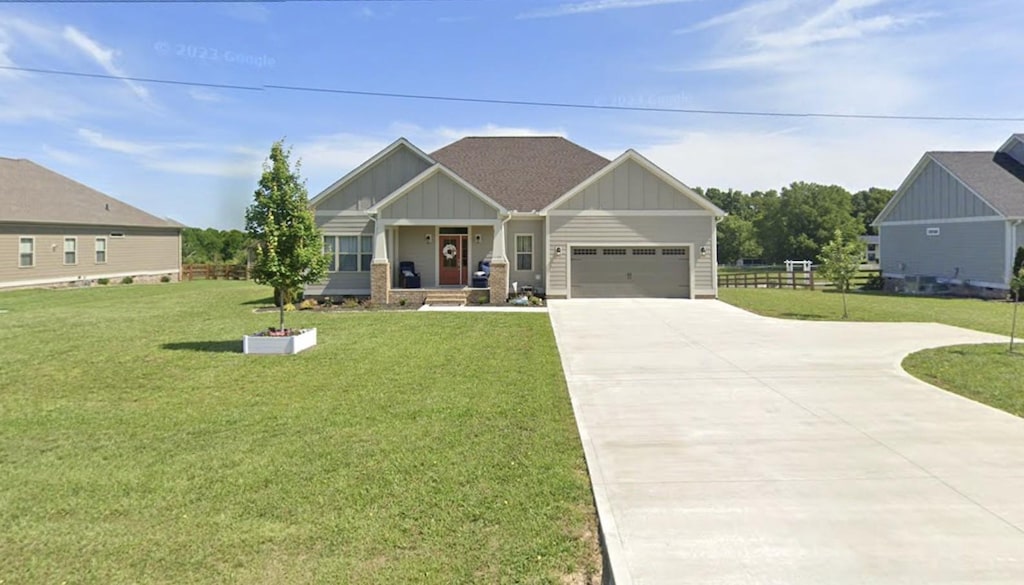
{"x": 934, "y": 193}
{"x": 695, "y": 231}
{"x": 629, "y": 186}
{"x": 439, "y": 197}
{"x": 413, "y": 246}
{"x": 969, "y": 251}
{"x": 375, "y": 182}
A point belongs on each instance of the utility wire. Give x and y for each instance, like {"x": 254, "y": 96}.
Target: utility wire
{"x": 512, "y": 102}
{"x": 218, "y": 1}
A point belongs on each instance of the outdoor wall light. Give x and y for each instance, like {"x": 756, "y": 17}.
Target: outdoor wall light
{"x": 703, "y": 251}
{"x": 430, "y": 238}
{"x": 477, "y": 238}
{"x": 558, "y": 250}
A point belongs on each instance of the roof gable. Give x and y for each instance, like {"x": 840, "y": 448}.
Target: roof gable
{"x": 392, "y": 180}
{"x": 424, "y": 178}
{"x": 930, "y": 192}
{"x": 631, "y": 157}
{"x": 32, "y": 193}
{"x": 521, "y": 173}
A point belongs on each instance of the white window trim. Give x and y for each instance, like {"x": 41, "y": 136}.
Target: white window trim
{"x": 533, "y": 247}
{"x": 359, "y": 254}
{"x": 64, "y": 251}
{"x": 33, "y": 240}
{"x": 106, "y": 250}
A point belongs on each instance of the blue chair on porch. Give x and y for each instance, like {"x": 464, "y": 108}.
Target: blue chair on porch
{"x": 407, "y": 275}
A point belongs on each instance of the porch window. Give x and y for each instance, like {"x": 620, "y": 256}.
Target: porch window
{"x": 27, "y": 252}
{"x": 524, "y": 251}
{"x": 348, "y": 253}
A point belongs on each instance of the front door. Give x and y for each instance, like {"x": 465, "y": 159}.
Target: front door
{"x": 452, "y": 257}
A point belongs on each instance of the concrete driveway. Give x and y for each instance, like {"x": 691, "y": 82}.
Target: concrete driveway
{"x": 728, "y": 448}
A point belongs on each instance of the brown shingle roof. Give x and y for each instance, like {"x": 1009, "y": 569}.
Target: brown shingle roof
{"x": 523, "y": 173}
{"x": 32, "y": 193}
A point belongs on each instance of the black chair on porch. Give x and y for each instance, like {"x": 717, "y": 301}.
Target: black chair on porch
{"x": 407, "y": 275}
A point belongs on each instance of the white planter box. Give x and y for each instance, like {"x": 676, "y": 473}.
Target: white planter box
{"x": 266, "y": 345}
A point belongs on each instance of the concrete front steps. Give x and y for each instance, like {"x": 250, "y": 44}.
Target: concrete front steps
{"x": 446, "y": 298}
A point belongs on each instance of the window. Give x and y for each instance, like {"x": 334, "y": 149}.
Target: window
{"x": 644, "y": 252}
{"x": 117, "y": 235}
{"x": 932, "y": 231}
{"x": 101, "y": 250}
{"x": 524, "y": 251}
{"x": 348, "y": 253}
{"x": 330, "y": 250}
{"x": 27, "y": 252}
{"x": 70, "y": 250}
{"x": 584, "y": 251}
{"x": 614, "y": 252}
{"x": 674, "y": 252}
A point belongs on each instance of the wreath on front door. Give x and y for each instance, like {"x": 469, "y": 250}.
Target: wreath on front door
{"x": 449, "y": 251}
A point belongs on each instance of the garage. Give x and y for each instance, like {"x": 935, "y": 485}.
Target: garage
{"x": 629, "y": 272}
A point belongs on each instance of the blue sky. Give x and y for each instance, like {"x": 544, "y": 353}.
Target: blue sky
{"x": 194, "y": 153}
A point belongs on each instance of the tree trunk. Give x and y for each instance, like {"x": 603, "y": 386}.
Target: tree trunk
{"x": 280, "y": 313}
{"x": 846, "y": 314}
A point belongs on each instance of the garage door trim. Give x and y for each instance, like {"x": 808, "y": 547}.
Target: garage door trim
{"x": 569, "y": 247}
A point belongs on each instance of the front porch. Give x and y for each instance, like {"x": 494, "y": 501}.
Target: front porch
{"x": 438, "y": 262}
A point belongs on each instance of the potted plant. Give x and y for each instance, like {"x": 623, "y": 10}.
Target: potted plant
{"x": 289, "y": 249}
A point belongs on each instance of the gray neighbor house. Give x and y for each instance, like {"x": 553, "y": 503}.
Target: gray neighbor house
{"x": 541, "y": 213}
{"x": 955, "y": 223}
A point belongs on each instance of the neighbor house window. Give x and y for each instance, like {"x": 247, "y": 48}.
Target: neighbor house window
{"x": 101, "y": 250}
{"x": 26, "y": 252}
{"x": 524, "y": 251}
{"x": 348, "y": 253}
{"x": 71, "y": 250}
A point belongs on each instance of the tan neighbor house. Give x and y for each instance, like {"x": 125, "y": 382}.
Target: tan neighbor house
{"x": 54, "y": 230}
{"x": 546, "y": 213}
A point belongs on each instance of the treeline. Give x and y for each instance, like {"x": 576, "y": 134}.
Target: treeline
{"x": 792, "y": 224}
{"x": 212, "y": 246}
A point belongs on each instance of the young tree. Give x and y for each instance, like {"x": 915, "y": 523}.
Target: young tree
{"x": 1016, "y": 287}
{"x": 289, "y": 247}
{"x": 840, "y": 260}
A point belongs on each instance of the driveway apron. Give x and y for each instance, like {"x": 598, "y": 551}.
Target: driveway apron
{"x": 733, "y": 449}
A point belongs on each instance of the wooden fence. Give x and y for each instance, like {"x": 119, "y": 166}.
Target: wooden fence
{"x": 214, "y": 271}
{"x": 793, "y": 280}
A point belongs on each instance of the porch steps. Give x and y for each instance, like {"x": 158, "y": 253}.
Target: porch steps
{"x": 446, "y": 298}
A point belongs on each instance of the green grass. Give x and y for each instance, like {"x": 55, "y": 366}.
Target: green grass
{"x": 137, "y": 445}
{"x": 986, "y": 373}
{"x": 990, "y": 316}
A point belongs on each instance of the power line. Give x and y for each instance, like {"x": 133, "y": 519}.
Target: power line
{"x": 512, "y": 102}
{"x": 219, "y": 1}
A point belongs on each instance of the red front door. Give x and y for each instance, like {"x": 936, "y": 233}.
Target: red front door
{"x": 452, "y": 255}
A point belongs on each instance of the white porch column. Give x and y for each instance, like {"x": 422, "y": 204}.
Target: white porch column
{"x": 498, "y": 250}
{"x": 380, "y": 242}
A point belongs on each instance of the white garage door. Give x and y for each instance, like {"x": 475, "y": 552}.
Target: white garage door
{"x": 607, "y": 272}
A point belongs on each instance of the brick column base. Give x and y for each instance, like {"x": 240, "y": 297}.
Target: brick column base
{"x": 380, "y": 282}
{"x": 498, "y": 282}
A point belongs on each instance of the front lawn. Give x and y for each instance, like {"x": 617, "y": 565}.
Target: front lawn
{"x": 137, "y": 445}
{"x": 986, "y": 373}
{"x": 990, "y": 316}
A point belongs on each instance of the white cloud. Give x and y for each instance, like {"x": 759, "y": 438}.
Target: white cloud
{"x": 205, "y": 95}
{"x": 115, "y": 145}
{"x": 841, "y": 153}
{"x": 102, "y": 56}
{"x": 63, "y": 156}
{"x": 590, "y": 6}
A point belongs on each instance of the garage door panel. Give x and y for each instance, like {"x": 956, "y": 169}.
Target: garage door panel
{"x": 607, "y": 272}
